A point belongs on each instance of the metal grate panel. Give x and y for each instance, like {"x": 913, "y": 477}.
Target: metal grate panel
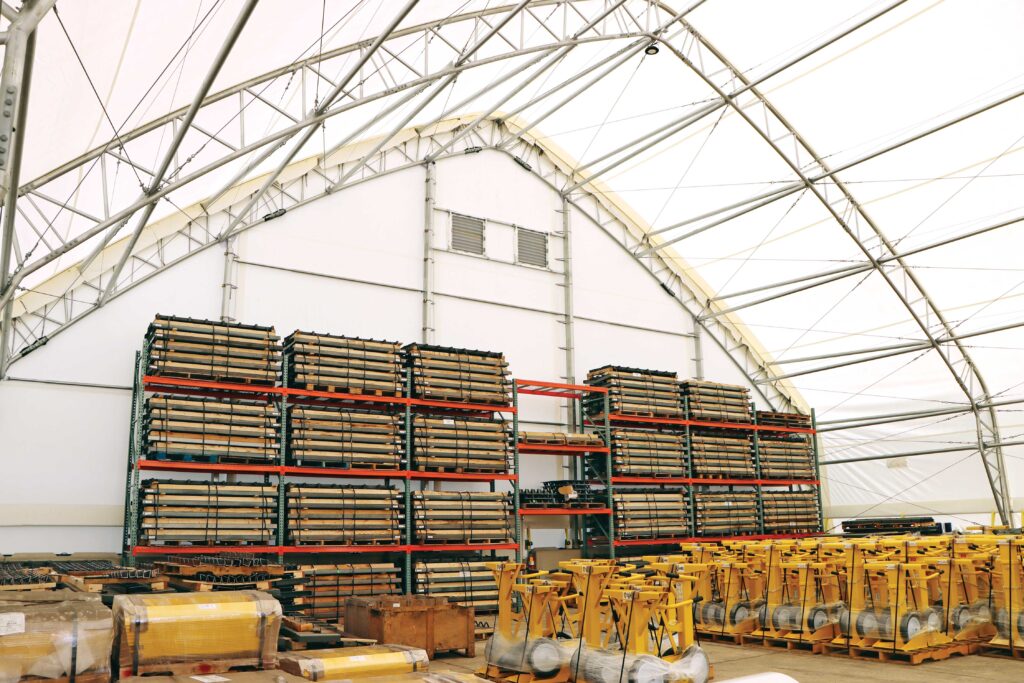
{"x": 467, "y": 234}
{"x": 531, "y": 248}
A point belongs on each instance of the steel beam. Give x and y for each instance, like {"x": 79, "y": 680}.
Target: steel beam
{"x": 172, "y": 150}
{"x": 430, "y": 194}
{"x": 914, "y": 454}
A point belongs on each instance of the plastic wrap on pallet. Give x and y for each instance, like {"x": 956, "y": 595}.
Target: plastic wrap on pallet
{"x": 222, "y": 677}
{"x": 634, "y": 391}
{"x": 785, "y": 456}
{"x": 457, "y": 444}
{"x": 338, "y": 664}
{"x": 213, "y": 350}
{"x": 716, "y": 402}
{"x": 465, "y": 582}
{"x": 539, "y": 657}
{"x": 46, "y": 638}
{"x": 726, "y": 513}
{"x": 207, "y": 512}
{"x": 462, "y": 375}
{"x": 344, "y": 515}
{"x": 344, "y": 364}
{"x": 651, "y": 513}
{"x": 721, "y": 453}
{"x": 422, "y": 677}
{"x": 640, "y": 452}
{"x": 592, "y": 665}
{"x": 238, "y": 628}
{"x": 790, "y": 511}
{"x": 462, "y": 517}
{"x": 210, "y": 429}
{"x": 332, "y": 436}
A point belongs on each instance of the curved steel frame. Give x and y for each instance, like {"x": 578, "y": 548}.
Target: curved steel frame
{"x": 561, "y": 25}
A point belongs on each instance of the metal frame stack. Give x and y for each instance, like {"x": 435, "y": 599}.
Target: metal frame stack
{"x": 344, "y": 515}
{"x": 460, "y": 444}
{"x": 721, "y": 453}
{"x": 633, "y": 391}
{"x": 207, "y": 513}
{"x": 213, "y": 350}
{"x": 726, "y": 513}
{"x": 463, "y": 581}
{"x": 445, "y": 373}
{"x": 211, "y": 429}
{"x": 344, "y": 364}
{"x": 334, "y": 436}
{"x": 462, "y": 517}
{"x": 790, "y": 511}
{"x": 651, "y": 513}
{"x": 716, "y": 402}
{"x": 326, "y": 587}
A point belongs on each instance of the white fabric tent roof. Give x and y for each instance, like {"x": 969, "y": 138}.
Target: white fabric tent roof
{"x": 851, "y": 79}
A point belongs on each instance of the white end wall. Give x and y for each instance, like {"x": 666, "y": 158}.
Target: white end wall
{"x": 351, "y": 263}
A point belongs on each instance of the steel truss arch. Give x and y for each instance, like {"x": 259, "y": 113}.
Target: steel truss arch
{"x": 758, "y": 112}
{"x": 74, "y": 294}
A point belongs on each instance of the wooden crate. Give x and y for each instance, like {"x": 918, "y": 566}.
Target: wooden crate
{"x": 433, "y": 624}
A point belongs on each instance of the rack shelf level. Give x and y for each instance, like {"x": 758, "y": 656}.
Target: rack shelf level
{"x": 530, "y": 512}
{"x": 537, "y": 387}
{"x": 207, "y": 467}
{"x": 443, "y": 547}
{"x": 708, "y": 539}
{"x": 553, "y": 449}
{"x": 461, "y": 476}
{"x": 705, "y": 481}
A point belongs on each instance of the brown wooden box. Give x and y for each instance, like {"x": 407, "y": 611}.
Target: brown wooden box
{"x": 433, "y": 624}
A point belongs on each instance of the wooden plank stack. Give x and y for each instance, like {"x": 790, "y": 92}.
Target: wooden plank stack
{"x": 331, "y": 436}
{"x": 785, "y": 456}
{"x": 722, "y": 454}
{"x": 716, "y": 402}
{"x": 466, "y": 582}
{"x": 462, "y": 517}
{"x": 726, "y": 513}
{"x": 787, "y": 512}
{"x": 456, "y": 444}
{"x": 213, "y": 350}
{"x": 327, "y": 587}
{"x": 349, "y": 365}
{"x": 651, "y": 513}
{"x": 207, "y": 513}
{"x": 320, "y": 514}
{"x": 649, "y": 453}
{"x": 632, "y": 391}
{"x": 442, "y": 373}
{"x": 560, "y": 439}
{"x": 211, "y": 430}
{"x": 787, "y": 420}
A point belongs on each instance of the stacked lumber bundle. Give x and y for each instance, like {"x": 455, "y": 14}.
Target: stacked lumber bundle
{"x": 326, "y": 587}
{"x": 325, "y": 514}
{"x": 926, "y": 526}
{"x": 561, "y": 439}
{"x": 331, "y": 436}
{"x": 227, "y": 572}
{"x": 349, "y": 365}
{"x": 651, "y": 513}
{"x": 460, "y": 444}
{"x": 632, "y": 391}
{"x": 648, "y": 453}
{"x": 726, "y": 513}
{"x": 207, "y": 513}
{"x": 442, "y": 373}
{"x": 212, "y": 350}
{"x": 788, "y": 512}
{"x": 785, "y": 456}
{"x": 210, "y": 430}
{"x": 462, "y": 517}
{"x": 715, "y": 402}
{"x": 723, "y": 454}
{"x": 787, "y": 420}
{"x": 466, "y": 582}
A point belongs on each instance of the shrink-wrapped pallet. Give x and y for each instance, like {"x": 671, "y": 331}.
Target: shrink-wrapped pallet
{"x": 225, "y": 677}
{"x": 49, "y": 634}
{"x": 343, "y": 663}
{"x": 153, "y": 633}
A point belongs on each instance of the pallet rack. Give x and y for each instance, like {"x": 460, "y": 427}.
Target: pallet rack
{"x": 574, "y": 395}
{"x": 602, "y": 422}
{"x": 282, "y": 471}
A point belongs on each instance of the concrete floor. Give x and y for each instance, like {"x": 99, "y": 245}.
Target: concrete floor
{"x": 731, "y": 661}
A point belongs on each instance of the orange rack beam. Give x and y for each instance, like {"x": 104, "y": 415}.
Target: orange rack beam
{"x": 552, "y": 449}
{"x": 530, "y": 512}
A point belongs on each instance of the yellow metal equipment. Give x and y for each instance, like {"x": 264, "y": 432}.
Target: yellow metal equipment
{"x": 344, "y": 663}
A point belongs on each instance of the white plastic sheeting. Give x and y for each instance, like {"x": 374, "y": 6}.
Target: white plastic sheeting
{"x": 918, "y": 64}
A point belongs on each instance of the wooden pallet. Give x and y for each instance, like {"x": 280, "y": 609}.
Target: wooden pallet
{"x": 1002, "y": 651}
{"x": 212, "y": 666}
{"x": 97, "y": 584}
{"x": 788, "y": 644}
{"x": 912, "y": 657}
{"x": 192, "y": 586}
{"x": 719, "y": 637}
